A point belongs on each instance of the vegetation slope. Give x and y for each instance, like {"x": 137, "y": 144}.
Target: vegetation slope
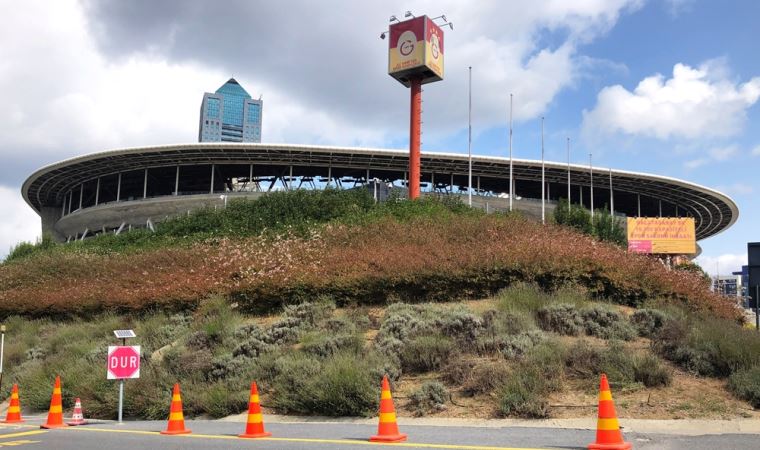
{"x": 316, "y": 295}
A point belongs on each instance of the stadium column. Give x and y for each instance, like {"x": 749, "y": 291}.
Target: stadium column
{"x": 415, "y": 122}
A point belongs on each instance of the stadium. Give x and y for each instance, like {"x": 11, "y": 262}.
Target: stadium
{"x": 118, "y": 190}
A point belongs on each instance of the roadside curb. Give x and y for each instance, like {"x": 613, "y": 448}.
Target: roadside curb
{"x": 683, "y": 427}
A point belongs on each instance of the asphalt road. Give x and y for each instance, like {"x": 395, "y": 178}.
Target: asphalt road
{"x": 316, "y": 436}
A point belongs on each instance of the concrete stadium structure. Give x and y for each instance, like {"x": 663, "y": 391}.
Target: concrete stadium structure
{"x": 117, "y": 190}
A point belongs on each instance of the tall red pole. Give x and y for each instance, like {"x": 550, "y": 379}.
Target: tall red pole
{"x": 415, "y": 122}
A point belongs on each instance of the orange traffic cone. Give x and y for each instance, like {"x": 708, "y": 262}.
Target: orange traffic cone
{"x": 14, "y": 408}
{"x": 176, "y": 418}
{"x": 255, "y": 426}
{"x": 387, "y": 429}
{"x": 608, "y": 436}
{"x": 77, "y": 418}
{"x": 55, "y": 415}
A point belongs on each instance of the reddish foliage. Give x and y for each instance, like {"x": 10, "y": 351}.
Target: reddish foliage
{"x": 421, "y": 259}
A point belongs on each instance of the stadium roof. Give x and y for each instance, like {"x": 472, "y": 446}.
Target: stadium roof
{"x": 713, "y": 211}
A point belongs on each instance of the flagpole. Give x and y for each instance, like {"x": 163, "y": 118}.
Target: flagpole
{"x": 510, "y": 153}
{"x": 469, "y": 144}
{"x": 568, "y": 173}
{"x": 543, "y": 176}
{"x": 591, "y": 178}
{"x": 612, "y": 198}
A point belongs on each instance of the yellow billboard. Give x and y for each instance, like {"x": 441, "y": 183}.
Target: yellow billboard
{"x": 662, "y": 235}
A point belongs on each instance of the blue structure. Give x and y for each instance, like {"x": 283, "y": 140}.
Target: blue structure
{"x": 230, "y": 115}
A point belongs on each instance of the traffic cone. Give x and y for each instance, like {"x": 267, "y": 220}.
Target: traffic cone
{"x": 255, "y": 425}
{"x": 14, "y": 408}
{"x": 176, "y": 418}
{"x": 608, "y": 436}
{"x": 77, "y": 418}
{"x": 55, "y": 415}
{"x": 387, "y": 429}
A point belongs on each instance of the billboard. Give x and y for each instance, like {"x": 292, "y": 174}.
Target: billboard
{"x": 415, "y": 48}
{"x": 662, "y": 235}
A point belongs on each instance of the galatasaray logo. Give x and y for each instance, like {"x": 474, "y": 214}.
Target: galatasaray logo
{"x": 406, "y": 43}
{"x": 434, "y": 45}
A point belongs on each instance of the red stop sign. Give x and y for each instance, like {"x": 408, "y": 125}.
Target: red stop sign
{"x": 123, "y": 362}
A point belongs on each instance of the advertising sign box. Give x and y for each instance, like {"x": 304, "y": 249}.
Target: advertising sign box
{"x": 662, "y": 235}
{"x": 123, "y": 362}
{"x": 416, "y": 50}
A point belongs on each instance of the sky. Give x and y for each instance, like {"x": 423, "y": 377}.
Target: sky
{"x": 669, "y": 87}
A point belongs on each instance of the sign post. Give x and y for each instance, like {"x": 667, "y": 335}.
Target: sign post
{"x": 123, "y": 362}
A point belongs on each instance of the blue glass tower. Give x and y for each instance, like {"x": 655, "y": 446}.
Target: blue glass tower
{"x": 230, "y": 115}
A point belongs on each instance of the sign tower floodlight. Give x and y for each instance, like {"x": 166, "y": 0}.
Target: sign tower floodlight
{"x": 415, "y": 57}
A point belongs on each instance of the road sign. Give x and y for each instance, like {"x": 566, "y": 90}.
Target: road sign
{"x": 123, "y": 361}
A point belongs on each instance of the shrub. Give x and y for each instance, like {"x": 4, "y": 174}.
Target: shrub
{"x": 457, "y": 371}
{"x": 524, "y": 394}
{"x": 460, "y": 325}
{"x": 515, "y": 346}
{"x": 486, "y": 377}
{"x": 226, "y": 366}
{"x": 324, "y": 345}
{"x": 426, "y": 353}
{"x": 649, "y": 370}
{"x": 561, "y": 318}
{"x": 623, "y": 367}
{"x": 745, "y": 384}
{"x": 522, "y": 297}
{"x": 429, "y": 397}
{"x": 710, "y": 347}
{"x": 604, "y": 323}
{"x": 648, "y": 321}
{"x": 216, "y": 400}
{"x": 341, "y": 385}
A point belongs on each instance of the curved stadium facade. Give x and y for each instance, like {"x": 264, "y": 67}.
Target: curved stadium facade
{"x": 118, "y": 190}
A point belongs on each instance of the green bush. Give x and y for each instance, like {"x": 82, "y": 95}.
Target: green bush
{"x": 429, "y": 397}
{"x": 486, "y": 377}
{"x": 516, "y": 345}
{"x": 649, "y": 370}
{"x": 522, "y": 297}
{"x": 623, "y": 367}
{"x": 524, "y": 394}
{"x": 323, "y": 344}
{"x": 24, "y": 249}
{"x": 216, "y": 400}
{"x": 426, "y": 353}
{"x": 745, "y": 384}
{"x": 648, "y": 321}
{"x": 709, "y": 346}
{"x": 602, "y": 322}
{"x": 609, "y": 228}
{"x": 560, "y": 318}
{"x": 340, "y": 385}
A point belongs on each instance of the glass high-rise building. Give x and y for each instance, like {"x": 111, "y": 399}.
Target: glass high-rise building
{"x": 230, "y": 115}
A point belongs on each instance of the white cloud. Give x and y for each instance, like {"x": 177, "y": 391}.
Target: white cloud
{"x": 694, "y": 103}
{"x": 19, "y": 222}
{"x": 66, "y": 94}
{"x": 737, "y": 188}
{"x": 756, "y": 151}
{"x": 726, "y": 263}
{"x": 716, "y": 154}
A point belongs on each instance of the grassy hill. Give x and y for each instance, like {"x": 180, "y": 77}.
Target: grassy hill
{"x": 316, "y": 294}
